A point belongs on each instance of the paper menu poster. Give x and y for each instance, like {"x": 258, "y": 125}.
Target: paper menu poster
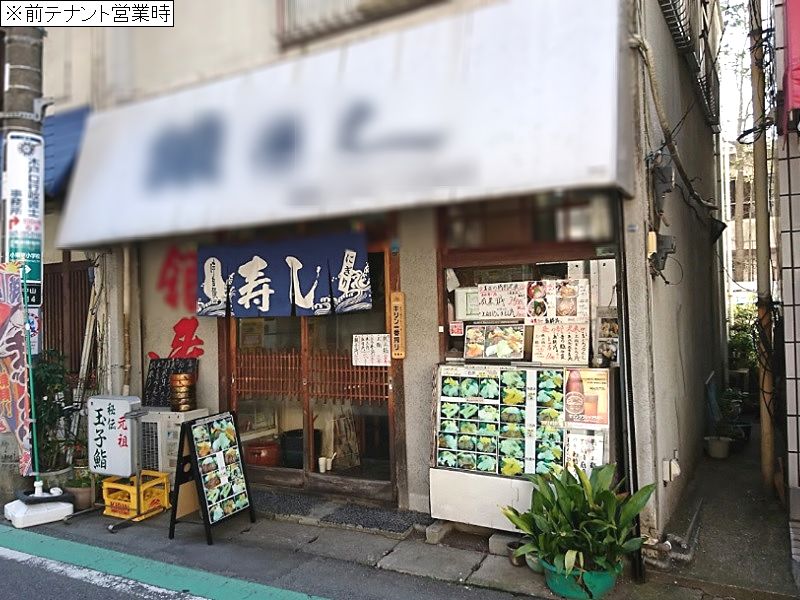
{"x": 502, "y": 300}
{"x": 585, "y": 450}
{"x": 371, "y": 350}
{"x": 557, "y": 301}
{"x": 560, "y": 343}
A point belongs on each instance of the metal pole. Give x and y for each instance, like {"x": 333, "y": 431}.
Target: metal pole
{"x": 763, "y": 251}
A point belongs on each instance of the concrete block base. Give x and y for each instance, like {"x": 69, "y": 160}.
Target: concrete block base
{"x": 498, "y": 542}
{"x": 436, "y": 531}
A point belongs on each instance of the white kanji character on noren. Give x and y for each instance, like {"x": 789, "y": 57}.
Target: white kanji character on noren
{"x": 256, "y": 288}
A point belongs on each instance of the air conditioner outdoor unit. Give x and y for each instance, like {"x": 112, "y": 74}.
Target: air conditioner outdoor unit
{"x": 161, "y": 430}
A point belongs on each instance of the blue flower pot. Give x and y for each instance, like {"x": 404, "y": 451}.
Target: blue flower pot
{"x": 598, "y": 583}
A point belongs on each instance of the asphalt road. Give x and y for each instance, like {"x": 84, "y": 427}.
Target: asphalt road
{"x": 26, "y": 576}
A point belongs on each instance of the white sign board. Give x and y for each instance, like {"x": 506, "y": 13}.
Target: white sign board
{"x": 23, "y": 197}
{"x": 560, "y": 343}
{"x": 112, "y": 441}
{"x": 502, "y": 300}
{"x": 423, "y": 115}
{"x": 371, "y": 350}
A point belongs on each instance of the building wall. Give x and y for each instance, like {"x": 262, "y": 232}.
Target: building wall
{"x": 418, "y": 279}
{"x": 671, "y": 324}
{"x": 788, "y": 200}
{"x": 162, "y": 313}
{"x": 207, "y": 44}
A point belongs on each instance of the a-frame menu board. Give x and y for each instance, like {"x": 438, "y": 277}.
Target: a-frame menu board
{"x": 210, "y": 475}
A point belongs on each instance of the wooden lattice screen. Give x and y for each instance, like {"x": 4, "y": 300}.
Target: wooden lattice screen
{"x": 331, "y": 377}
{"x": 268, "y": 373}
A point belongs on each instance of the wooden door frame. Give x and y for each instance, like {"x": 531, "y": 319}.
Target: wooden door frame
{"x": 307, "y": 478}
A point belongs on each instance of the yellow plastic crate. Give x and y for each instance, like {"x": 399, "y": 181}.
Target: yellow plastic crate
{"x": 119, "y": 495}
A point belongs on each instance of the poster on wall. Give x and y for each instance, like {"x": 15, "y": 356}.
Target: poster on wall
{"x": 14, "y": 391}
{"x": 502, "y": 342}
{"x": 560, "y": 343}
{"x": 607, "y": 335}
{"x": 502, "y": 300}
{"x": 587, "y": 398}
{"x": 504, "y": 421}
{"x": 469, "y": 418}
{"x": 112, "y": 443}
{"x": 557, "y": 301}
{"x": 371, "y": 350}
{"x": 550, "y": 421}
{"x": 585, "y": 450}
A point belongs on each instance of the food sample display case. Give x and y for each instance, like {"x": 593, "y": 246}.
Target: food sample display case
{"x": 496, "y": 423}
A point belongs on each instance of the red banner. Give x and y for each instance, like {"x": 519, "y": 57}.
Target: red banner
{"x": 791, "y": 77}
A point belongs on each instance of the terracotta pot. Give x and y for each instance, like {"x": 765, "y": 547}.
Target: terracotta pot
{"x": 83, "y": 497}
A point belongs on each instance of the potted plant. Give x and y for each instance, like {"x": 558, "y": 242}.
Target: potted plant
{"x": 580, "y": 527}
{"x": 81, "y": 489}
{"x": 53, "y": 434}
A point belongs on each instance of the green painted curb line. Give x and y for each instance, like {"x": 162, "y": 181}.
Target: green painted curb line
{"x": 144, "y": 570}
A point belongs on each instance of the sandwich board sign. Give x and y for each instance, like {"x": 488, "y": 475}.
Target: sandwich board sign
{"x": 210, "y": 476}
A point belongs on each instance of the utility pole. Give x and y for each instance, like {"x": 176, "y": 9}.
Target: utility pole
{"x": 22, "y": 115}
{"x": 763, "y": 251}
{"x": 22, "y": 79}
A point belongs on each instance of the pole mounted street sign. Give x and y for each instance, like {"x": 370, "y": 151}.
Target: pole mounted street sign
{"x": 23, "y": 197}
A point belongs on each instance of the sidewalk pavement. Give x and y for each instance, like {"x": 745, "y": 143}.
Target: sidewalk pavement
{"x": 334, "y": 563}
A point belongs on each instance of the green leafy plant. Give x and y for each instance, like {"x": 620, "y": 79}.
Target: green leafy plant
{"x": 79, "y": 482}
{"x": 50, "y": 379}
{"x": 741, "y": 348}
{"x": 579, "y": 522}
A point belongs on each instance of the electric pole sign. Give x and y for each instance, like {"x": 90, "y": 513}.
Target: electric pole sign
{"x": 23, "y": 197}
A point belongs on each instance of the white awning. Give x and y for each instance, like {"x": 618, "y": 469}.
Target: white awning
{"x": 512, "y": 97}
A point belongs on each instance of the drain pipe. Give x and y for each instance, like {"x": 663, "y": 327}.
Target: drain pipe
{"x": 126, "y": 319}
{"x": 626, "y": 370}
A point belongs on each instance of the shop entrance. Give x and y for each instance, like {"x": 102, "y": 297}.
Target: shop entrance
{"x": 300, "y": 398}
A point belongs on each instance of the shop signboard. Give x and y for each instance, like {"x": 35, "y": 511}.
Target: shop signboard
{"x": 23, "y": 196}
{"x": 398, "y": 315}
{"x": 112, "y": 441}
{"x": 308, "y": 276}
{"x": 371, "y": 350}
{"x": 210, "y": 457}
{"x": 381, "y": 124}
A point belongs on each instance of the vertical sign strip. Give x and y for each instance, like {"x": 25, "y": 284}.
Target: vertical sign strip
{"x": 398, "y": 303}
{"x": 23, "y": 196}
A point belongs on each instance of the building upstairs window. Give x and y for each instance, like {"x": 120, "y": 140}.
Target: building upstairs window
{"x": 300, "y": 21}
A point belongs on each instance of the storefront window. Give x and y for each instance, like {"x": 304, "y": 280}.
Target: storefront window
{"x": 462, "y": 295}
{"x": 288, "y": 367}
